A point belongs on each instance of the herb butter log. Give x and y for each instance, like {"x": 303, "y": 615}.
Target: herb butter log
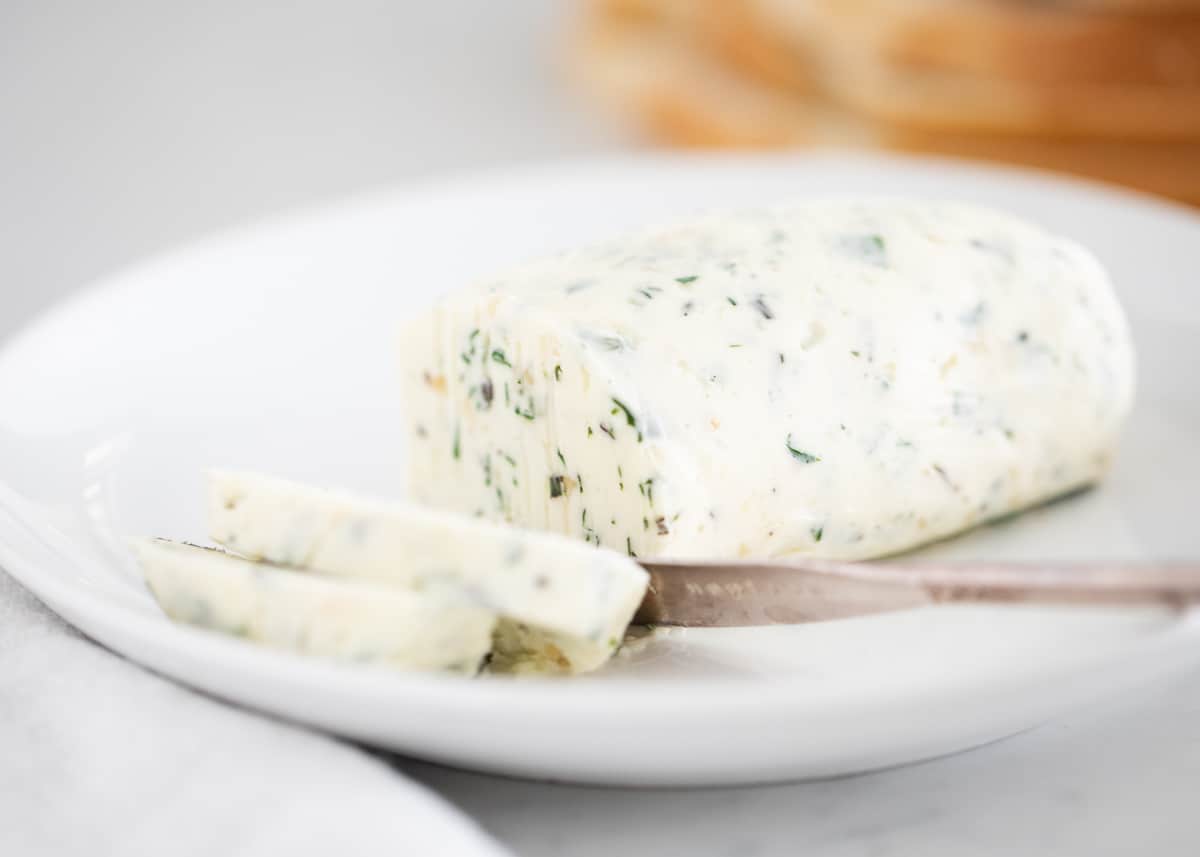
{"x": 837, "y": 378}
{"x": 438, "y": 629}
{"x": 562, "y": 607}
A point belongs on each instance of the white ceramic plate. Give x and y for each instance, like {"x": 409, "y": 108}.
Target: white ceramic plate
{"x": 271, "y": 347}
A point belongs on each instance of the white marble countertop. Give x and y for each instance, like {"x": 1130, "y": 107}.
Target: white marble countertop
{"x": 130, "y": 127}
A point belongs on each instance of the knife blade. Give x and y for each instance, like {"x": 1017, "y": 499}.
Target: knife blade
{"x": 732, "y": 593}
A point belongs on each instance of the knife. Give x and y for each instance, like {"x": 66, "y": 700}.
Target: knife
{"x": 716, "y": 594}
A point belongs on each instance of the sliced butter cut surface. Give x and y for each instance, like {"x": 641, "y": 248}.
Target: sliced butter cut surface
{"x": 837, "y": 378}
{"x": 567, "y": 603}
{"x": 436, "y": 629}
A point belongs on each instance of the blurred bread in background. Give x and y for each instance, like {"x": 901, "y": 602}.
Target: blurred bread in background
{"x": 1101, "y": 88}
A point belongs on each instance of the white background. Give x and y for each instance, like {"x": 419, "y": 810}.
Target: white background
{"x": 126, "y": 127}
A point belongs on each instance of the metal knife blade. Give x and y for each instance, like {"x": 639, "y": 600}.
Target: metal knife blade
{"x": 731, "y": 593}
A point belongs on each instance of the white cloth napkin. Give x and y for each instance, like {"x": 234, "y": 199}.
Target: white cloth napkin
{"x": 98, "y": 756}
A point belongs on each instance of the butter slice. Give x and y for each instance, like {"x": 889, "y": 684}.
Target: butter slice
{"x": 564, "y": 605}
{"x": 436, "y": 629}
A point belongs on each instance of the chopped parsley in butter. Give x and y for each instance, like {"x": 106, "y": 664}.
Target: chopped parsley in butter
{"x": 837, "y": 378}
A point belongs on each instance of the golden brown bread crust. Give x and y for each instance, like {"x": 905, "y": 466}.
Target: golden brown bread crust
{"x": 937, "y": 101}
{"x": 1036, "y": 43}
{"x": 1129, "y": 7}
{"x": 956, "y": 66}
{"x": 963, "y": 67}
{"x": 732, "y": 31}
{"x": 683, "y": 96}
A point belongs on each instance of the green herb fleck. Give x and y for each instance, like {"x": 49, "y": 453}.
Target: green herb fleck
{"x": 605, "y": 341}
{"x": 499, "y": 356}
{"x": 856, "y": 353}
{"x": 629, "y": 417}
{"x": 457, "y": 449}
{"x": 613, "y": 642}
{"x": 760, "y": 304}
{"x": 527, "y": 414}
{"x": 556, "y": 486}
{"x": 870, "y": 249}
{"x": 683, "y": 281}
{"x": 557, "y": 372}
{"x": 941, "y": 471}
{"x": 560, "y": 456}
{"x": 817, "y": 532}
{"x": 732, "y": 302}
{"x": 607, "y": 429}
{"x": 579, "y": 479}
{"x": 645, "y": 523}
{"x": 629, "y": 546}
{"x": 975, "y": 314}
{"x": 800, "y": 455}
{"x": 512, "y": 461}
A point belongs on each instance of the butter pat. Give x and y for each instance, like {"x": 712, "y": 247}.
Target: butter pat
{"x": 839, "y": 379}
{"x": 567, "y": 604}
{"x": 436, "y": 629}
